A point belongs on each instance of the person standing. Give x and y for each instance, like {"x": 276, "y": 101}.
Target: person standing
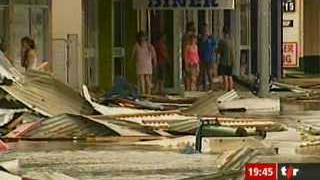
{"x": 191, "y": 58}
{"x": 29, "y": 55}
{"x": 145, "y": 57}
{"x": 190, "y": 31}
{"x": 226, "y": 54}
{"x": 162, "y": 58}
{"x": 207, "y": 46}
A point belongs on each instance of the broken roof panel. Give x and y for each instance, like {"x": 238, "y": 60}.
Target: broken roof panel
{"x": 76, "y": 126}
{"x": 47, "y": 96}
{"x": 69, "y": 126}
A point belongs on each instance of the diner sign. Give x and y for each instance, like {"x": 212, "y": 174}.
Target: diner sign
{"x": 183, "y": 4}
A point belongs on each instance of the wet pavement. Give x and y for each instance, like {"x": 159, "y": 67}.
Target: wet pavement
{"x": 103, "y": 161}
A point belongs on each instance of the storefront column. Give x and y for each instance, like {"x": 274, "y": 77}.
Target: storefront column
{"x": 178, "y": 28}
{"x": 263, "y": 46}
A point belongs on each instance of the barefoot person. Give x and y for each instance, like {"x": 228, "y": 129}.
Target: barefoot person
{"x": 207, "y": 46}
{"x": 226, "y": 54}
{"x": 144, "y": 56}
{"x": 191, "y": 58}
{"x": 162, "y": 58}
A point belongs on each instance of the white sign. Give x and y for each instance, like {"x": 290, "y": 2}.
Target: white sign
{"x": 183, "y": 4}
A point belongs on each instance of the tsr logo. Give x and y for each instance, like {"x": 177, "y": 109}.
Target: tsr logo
{"x": 289, "y": 172}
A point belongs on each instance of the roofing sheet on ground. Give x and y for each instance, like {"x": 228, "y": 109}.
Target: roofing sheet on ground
{"x": 47, "y": 96}
{"x": 69, "y": 126}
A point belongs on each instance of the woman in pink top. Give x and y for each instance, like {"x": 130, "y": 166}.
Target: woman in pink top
{"x": 191, "y": 57}
{"x": 145, "y": 57}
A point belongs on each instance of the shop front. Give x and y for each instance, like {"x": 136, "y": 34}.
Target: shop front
{"x": 110, "y": 34}
{"x": 171, "y": 17}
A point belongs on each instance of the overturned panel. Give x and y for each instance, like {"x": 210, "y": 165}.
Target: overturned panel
{"x": 47, "y": 96}
{"x": 110, "y": 111}
{"x": 70, "y": 126}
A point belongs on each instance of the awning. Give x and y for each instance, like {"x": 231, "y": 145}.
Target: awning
{"x": 184, "y": 4}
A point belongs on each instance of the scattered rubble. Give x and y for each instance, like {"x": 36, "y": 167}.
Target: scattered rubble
{"x": 231, "y": 102}
{"x": 44, "y": 109}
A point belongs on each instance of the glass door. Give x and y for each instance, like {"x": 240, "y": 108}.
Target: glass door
{"x": 91, "y": 42}
{"x": 245, "y": 45}
{"x": 118, "y": 54}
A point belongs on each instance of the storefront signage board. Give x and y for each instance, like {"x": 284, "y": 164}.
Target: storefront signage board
{"x": 290, "y": 55}
{"x": 183, "y": 4}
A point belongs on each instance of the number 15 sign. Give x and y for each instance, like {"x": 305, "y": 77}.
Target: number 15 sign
{"x": 290, "y": 54}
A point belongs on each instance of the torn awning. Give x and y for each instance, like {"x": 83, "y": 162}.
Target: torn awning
{"x": 184, "y": 4}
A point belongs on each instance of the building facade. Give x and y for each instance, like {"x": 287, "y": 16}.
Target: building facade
{"x": 301, "y": 40}
{"x": 118, "y": 21}
{"x": 90, "y": 41}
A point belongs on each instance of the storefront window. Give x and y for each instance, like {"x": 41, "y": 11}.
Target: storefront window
{"x": 245, "y": 21}
{"x": 245, "y": 29}
{"x": 32, "y": 2}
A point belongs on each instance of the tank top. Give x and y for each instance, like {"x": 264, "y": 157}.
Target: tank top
{"x": 192, "y": 55}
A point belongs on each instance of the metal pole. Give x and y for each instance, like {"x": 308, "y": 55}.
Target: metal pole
{"x": 263, "y": 46}
{"x": 276, "y": 20}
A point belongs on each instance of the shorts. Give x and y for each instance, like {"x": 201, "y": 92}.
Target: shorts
{"x": 161, "y": 72}
{"x": 225, "y": 70}
{"x": 192, "y": 70}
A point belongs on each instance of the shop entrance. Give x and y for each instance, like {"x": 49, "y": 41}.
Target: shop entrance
{"x": 236, "y": 15}
{"x": 173, "y": 25}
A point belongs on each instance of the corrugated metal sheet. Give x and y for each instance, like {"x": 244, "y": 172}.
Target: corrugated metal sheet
{"x": 180, "y": 123}
{"x": 42, "y": 93}
{"x": 70, "y": 126}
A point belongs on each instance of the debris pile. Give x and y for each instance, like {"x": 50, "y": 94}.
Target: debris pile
{"x": 34, "y": 106}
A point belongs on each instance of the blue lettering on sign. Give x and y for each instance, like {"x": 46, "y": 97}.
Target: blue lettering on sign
{"x": 155, "y": 3}
{"x": 195, "y": 3}
{"x": 211, "y": 3}
{"x": 182, "y": 3}
{"x": 179, "y": 3}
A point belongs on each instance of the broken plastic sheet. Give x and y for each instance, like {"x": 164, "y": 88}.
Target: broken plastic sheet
{"x": 6, "y": 115}
{"x": 7, "y": 70}
{"x": 110, "y": 111}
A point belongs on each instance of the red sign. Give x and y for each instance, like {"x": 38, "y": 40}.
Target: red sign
{"x": 290, "y": 54}
{"x": 261, "y": 172}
